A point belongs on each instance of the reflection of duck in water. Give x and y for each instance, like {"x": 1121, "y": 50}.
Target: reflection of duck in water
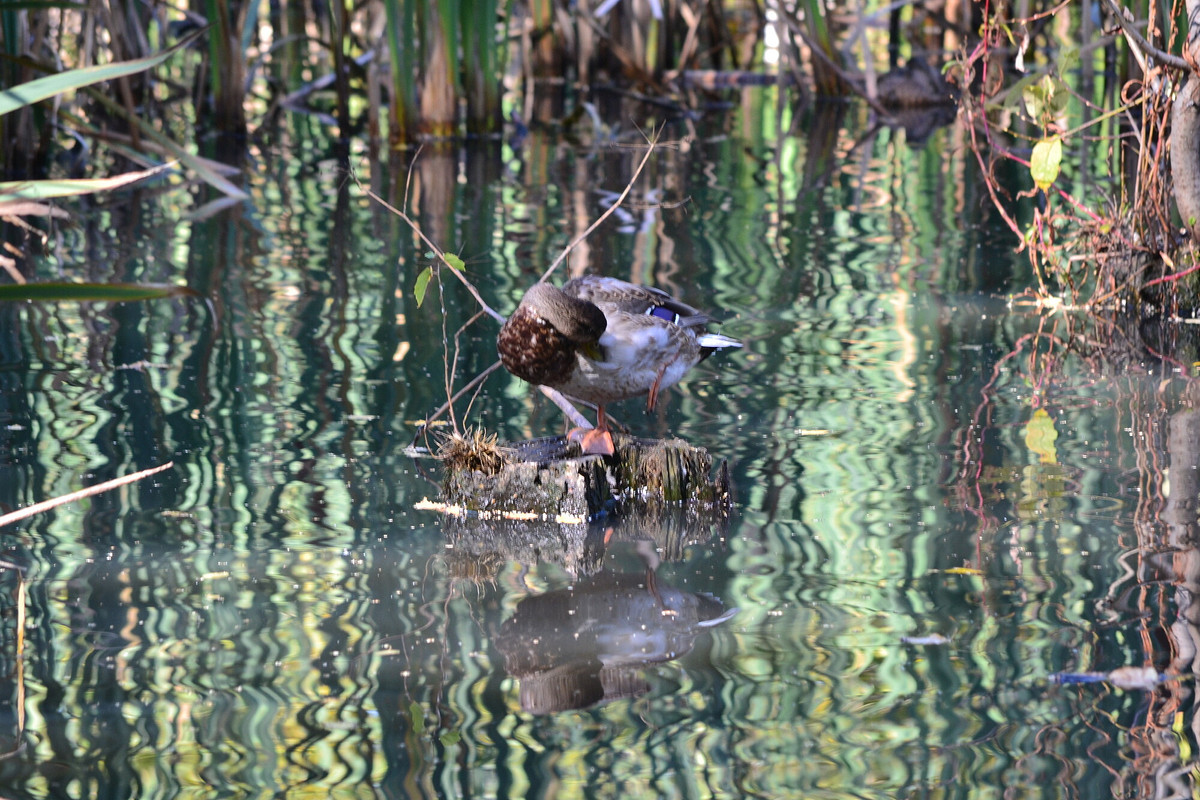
{"x": 601, "y": 340}
{"x": 572, "y": 648}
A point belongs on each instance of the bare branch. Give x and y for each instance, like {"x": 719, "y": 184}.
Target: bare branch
{"x": 652, "y": 143}
{"x": 1138, "y": 43}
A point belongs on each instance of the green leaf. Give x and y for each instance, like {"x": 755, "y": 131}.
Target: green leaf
{"x": 57, "y": 291}
{"x": 1045, "y": 162}
{"x": 422, "y": 284}
{"x": 450, "y": 738}
{"x": 1036, "y": 98}
{"x": 1067, "y": 61}
{"x": 33, "y": 91}
{"x": 454, "y": 261}
{"x": 1046, "y": 99}
{"x": 1015, "y": 96}
{"x": 1059, "y": 96}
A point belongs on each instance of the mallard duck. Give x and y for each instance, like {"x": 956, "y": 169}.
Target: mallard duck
{"x": 601, "y": 340}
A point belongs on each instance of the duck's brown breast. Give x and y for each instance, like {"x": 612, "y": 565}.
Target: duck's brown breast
{"x": 533, "y": 350}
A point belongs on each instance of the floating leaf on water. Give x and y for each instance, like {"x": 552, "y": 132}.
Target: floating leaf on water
{"x": 1040, "y": 436}
{"x": 450, "y": 738}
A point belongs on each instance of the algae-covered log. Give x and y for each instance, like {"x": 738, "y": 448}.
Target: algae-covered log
{"x": 549, "y": 479}
{"x": 541, "y": 499}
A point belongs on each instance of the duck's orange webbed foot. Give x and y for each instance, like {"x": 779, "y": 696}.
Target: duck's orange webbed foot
{"x": 596, "y": 441}
{"x": 593, "y": 441}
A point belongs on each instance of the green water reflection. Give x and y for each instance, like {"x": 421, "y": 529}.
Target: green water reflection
{"x": 273, "y": 615}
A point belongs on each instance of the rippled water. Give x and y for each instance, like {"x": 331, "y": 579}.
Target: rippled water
{"x": 939, "y": 512}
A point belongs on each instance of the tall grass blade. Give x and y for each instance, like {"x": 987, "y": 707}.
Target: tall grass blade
{"x": 402, "y": 42}
{"x": 71, "y": 80}
{"x": 44, "y": 190}
{"x": 826, "y": 75}
{"x": 482, "y": 66}
{"x": 201, "y": 166}
{"x": 439, "y": 85}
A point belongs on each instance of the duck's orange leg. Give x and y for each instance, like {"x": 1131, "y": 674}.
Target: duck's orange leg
{"x": 652, "y": 398}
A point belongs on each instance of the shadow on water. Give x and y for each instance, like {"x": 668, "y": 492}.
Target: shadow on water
{"x": 939, "y": 507}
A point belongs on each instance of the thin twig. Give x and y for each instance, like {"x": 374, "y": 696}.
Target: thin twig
{"x": 478, "y": 379}
{"x": 408, "y": 177}
{"x": 652, "y": 144}
{"x": 46, "y": 505}
{"x": 449, "y": 364}
{"x": 1138, "y": 43}
{"x": 1171, "y": 278}
{"x": 554, "y": 395}
{"x": 491, "y": 312}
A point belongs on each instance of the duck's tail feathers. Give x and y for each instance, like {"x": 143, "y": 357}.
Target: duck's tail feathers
{"x": 716, "y": 341}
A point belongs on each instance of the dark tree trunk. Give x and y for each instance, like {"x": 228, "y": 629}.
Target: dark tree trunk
{"x": 1185, "y": 132}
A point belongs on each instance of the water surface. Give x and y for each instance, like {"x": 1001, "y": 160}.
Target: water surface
{"x": 939, "y": 507}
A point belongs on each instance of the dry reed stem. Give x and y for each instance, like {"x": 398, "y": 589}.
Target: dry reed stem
{"x": 55, "y": 502}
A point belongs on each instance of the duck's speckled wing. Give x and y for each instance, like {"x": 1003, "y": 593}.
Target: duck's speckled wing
{"x": 612, "y": 294}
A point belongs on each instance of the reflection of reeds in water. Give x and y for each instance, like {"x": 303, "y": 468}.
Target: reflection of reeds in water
{"x": 439, "y": 67}
{"x": 476, "y": 568}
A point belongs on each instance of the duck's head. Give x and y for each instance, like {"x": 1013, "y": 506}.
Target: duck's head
{"x": 578, "y": 320}
{"x": 539, "y": 341}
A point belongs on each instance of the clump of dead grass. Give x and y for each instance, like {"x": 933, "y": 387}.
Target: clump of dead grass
{"x": 473, "y": 449}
